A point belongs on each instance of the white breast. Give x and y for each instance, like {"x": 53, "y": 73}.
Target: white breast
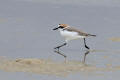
{"x": 68, "y": 35}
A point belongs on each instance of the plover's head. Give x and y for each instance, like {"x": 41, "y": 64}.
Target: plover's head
{"x": 61, "y": 26}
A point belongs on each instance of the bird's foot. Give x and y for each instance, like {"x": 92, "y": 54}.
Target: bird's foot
{"x": 57, "y": 47}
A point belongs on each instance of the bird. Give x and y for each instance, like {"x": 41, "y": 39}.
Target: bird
{"x": 69, "y": 33}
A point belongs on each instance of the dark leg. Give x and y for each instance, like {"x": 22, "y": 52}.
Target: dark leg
{"x": 85, "y": 55}
{"x": 85, "y": 44}
{"x": 60, "y": 46}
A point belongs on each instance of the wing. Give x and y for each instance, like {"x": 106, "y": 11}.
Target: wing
{"x": 76, "y": 30}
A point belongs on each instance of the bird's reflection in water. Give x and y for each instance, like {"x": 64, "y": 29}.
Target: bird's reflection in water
{"x": 84, "y": 59}
{"x": 85, "y": 54}
{"x": 58, "y": 52}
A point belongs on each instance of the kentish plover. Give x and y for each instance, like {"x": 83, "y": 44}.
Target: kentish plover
{"x": 70, "y": 33}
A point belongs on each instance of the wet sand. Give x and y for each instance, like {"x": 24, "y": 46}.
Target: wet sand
{"x": 50, "y": 67}
{"x": 115, "y": 39}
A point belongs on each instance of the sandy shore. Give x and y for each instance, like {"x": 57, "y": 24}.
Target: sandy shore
{"x": 49, "y": 67}
{"x": 115, "y": 39}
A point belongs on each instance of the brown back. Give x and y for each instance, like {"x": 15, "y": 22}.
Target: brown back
{"x": 76, "y": 30}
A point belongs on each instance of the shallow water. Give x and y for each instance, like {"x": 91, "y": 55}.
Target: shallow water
{"x": 26, "y": 33}
{"x": 49, "y": 67}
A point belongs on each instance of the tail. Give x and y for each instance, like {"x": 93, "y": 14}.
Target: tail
{"x": 91, "y": 35}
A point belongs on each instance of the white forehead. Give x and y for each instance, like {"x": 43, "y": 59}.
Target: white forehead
{"x": 58, "y": 25}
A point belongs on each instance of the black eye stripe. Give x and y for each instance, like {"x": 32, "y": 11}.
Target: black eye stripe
{"x": 61, "y": 27}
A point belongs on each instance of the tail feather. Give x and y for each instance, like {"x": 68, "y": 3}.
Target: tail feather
{"x": 91, "y": 35}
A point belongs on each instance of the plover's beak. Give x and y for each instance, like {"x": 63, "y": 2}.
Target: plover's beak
{"x": 56, "y": 28}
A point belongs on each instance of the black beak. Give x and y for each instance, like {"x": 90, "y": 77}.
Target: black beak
{"x": 56, "y": 28}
